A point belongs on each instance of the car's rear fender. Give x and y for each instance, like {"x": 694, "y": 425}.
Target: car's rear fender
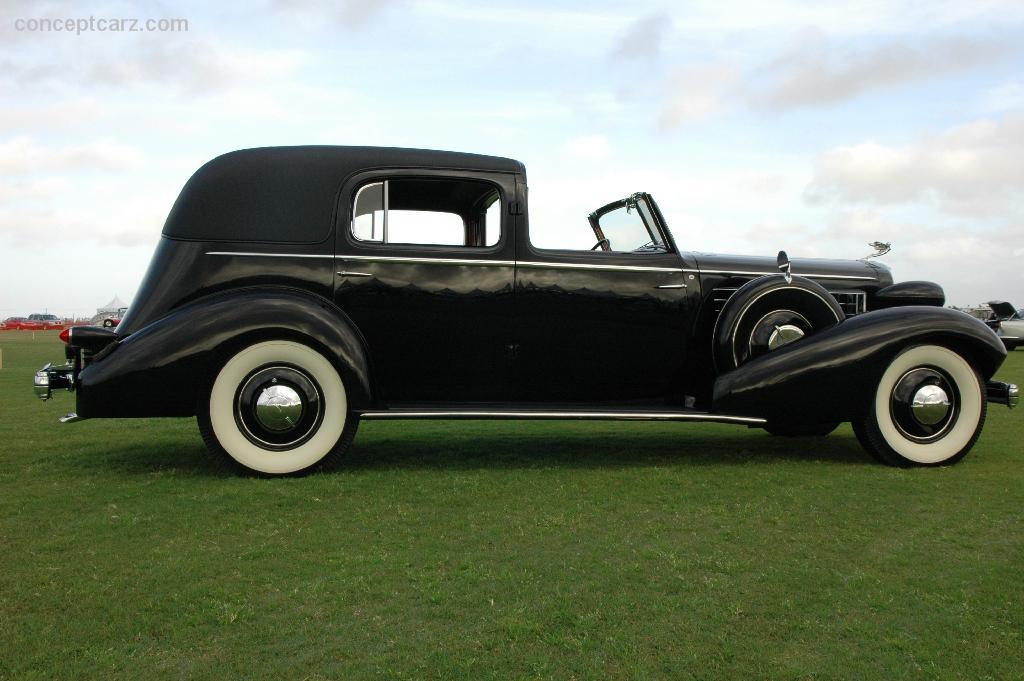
{"x": 163, "y": 368}
{"x": 832, "y": 375}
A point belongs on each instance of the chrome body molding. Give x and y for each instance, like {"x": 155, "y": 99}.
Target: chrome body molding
{"x": 594, "y": 267}
{"x": 808, "y": 275}
{"x": 528, "y": 414}
{"x": 508, "y": 263}
{"x": 245, "y": 254}
{"x": 531, "y": 263}
{"x": 473, "y": 262}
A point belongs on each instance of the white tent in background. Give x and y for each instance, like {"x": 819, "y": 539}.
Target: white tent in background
{"x": 112, "y": 307}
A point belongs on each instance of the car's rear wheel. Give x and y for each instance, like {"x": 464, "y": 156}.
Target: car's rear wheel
{"x": 277, "y": 407}
{"x": 928, "y": 410}
{"x": 107, "y": 323}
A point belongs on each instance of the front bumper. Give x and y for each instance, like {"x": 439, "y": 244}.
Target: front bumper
{"x": 1003, "y": 393}
{"x": 51, "y": 378}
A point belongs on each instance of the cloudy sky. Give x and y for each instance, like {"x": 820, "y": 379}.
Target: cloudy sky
{"x": 810, "y": 126}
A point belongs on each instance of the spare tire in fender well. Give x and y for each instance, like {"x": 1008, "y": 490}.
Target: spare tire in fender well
{"x": 161, "y": 369}
{"x": 772, "y": 292}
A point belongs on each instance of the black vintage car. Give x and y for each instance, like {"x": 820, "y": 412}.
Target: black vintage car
{"x": 299, "y": 290}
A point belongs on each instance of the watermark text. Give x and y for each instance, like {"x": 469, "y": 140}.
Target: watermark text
{"x": 80, "y": 25}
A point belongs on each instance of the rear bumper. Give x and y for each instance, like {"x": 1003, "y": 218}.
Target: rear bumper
{"x": 1003, "y": 393}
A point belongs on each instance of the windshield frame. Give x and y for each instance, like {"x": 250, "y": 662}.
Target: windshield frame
{"x": 649, "y": 215}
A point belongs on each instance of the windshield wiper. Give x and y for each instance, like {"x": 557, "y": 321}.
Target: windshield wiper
{"x": 650, "y": 246}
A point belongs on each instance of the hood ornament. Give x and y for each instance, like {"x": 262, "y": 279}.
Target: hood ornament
{"x": 881, "y": 248}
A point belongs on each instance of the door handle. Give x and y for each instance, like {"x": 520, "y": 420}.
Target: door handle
{"x": 671, "y": 286}
{"x": 354, "y": 274}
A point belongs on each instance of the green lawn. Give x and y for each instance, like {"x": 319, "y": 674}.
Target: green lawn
{"x": 475, "y": 550}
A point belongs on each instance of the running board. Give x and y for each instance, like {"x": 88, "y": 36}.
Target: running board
{"x": 572, "y": 415}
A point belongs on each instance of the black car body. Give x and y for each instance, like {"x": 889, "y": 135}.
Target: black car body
{"x": 318, "y": 248}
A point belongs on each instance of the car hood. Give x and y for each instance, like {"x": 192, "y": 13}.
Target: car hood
{"x": 1003, "y": 309}
{"x": 804, "y": 267}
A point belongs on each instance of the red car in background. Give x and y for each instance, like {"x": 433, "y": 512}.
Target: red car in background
{"x": 35, "y": 322}
{"x": 115, "y": 319}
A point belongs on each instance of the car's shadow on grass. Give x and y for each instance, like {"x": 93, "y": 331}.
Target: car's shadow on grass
{"x": 510, "y": 447}
{"x": 458, "y": 445}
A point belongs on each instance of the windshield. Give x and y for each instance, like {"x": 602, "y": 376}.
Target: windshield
{"x": 627, "y": 226}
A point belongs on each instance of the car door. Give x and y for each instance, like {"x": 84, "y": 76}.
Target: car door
{"x": 609, "y": 325}
{"x": 425, "y": 270}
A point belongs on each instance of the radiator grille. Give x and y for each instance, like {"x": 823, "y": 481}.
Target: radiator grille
{"x": 852, "y": 302}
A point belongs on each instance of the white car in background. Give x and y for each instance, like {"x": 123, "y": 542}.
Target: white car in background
{"x": 1008, "y": 323}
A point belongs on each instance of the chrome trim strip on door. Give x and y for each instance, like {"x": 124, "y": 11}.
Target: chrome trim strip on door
{"x": 809, "y": 275}
{"x": 268, "y": 255}
{"x": 532, "y": 264}
{"x": 586, "y": 415}
{"x": 595, "y": 266}
{"x": 428, "y": 261}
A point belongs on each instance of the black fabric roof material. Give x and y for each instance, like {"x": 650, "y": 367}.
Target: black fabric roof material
{"x": 288, "y": 194}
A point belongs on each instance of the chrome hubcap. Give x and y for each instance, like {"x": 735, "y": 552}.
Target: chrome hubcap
{"x": 279, "y": 408}
{"x": 776, "y": 329}
{"x": 783, "y": 335}
{"x": 924, "y": 404}
{"x": 930, "y": 405}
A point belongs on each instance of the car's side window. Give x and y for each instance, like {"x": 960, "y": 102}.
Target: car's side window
{"x": 428, "y": 211}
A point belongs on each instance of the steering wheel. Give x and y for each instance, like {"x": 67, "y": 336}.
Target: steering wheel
{"x": 603, "y": 242}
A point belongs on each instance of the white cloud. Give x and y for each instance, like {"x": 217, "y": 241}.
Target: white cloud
{"x": 45, "y": 188}
{"x": 696, "y": 92}
{"x": 536, "y": 18}
{"x": 22, "y": 156}
{"x": 1005, "y": 97}
{"x": 62, "y": 212}
{"x": 588, "y": 147}
{"x": 815, "y": 70}
{"x": 845, "y": 16}
{"x": 643, "y": 38}
{"x": 59, "y": 114}
{"x": 190, "y": 65}
{"x": 195, "y": 67}
{"x": 344, "y": 13}
{"x": 972, "y": 169}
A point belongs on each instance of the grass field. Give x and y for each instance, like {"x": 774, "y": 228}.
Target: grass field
{"x": 505, "y": 550}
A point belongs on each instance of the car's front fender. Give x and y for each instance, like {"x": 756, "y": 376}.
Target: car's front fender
{"x": 833, "y": 375}
{"x": 162, "y": 369}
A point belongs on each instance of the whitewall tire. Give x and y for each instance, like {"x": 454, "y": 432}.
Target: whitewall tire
{"x": 277, "y": 407}
{"x": 928, "y": 410}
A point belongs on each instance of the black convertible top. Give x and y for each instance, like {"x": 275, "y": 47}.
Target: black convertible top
{"x": 288, "y": 194}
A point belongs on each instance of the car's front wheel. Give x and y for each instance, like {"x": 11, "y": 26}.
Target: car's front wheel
{"x": 277, "y": 407}
{"x": 928, "y": 410}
